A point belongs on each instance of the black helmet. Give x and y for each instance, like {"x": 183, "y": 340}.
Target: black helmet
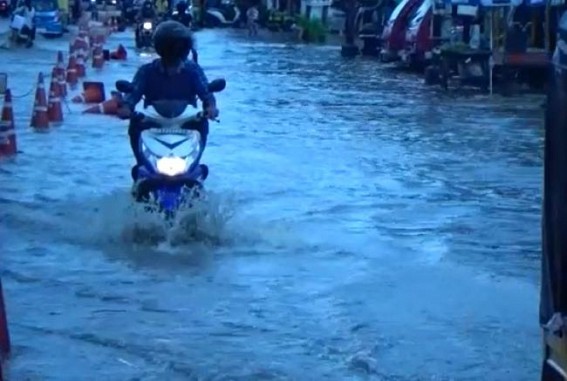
{"x": 172, "y": 42}
{"x": 181, "y": 7}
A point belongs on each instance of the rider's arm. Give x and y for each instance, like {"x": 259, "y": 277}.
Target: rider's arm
{"x": 138, "y": 88}
{"x": 201, "y": 84}
{"x": 194, "y": 55}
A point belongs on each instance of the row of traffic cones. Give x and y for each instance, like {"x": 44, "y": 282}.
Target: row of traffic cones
{"x": 94, "y": 92}
{"x": 47, "y": 107}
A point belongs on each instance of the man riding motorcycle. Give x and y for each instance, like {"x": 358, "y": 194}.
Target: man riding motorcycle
{"x": 185, "y": 18}
{"x": 171, "y": 77}
{"x": 147, "y": 12}
{"x": 182, "y": 15}
{"x": 27, "y": 11}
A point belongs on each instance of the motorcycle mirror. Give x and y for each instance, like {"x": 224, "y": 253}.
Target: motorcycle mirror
{"x": 124, "y": 86}
{"x": 217, "y": 85}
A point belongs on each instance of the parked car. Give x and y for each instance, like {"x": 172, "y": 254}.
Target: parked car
{"x": 47, "y": 18}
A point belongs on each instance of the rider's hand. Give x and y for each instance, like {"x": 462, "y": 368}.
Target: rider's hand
{"x": 124, "y": 112}
{"x": 212, "y": 112}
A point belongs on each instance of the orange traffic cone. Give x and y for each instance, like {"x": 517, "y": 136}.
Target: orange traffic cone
{"x": 54, "y": 111}
{"x": 60, "y": 64}
{"x": 98, "y": 58}
{"x": 8, "y": 144}
{"x": 59, "y": 73}
{"x": 109, "y": 107}
{"x": 39, "y": 118}
{"x": 61, "y": 82}
{"x": 81, "y": 69}
{"x": 80, "y": 47}
{"x": 119, "y": 54}
{"x": 93, "y": 93}
{"x": 72, "y": 78}
{"x": 83, "y": 33}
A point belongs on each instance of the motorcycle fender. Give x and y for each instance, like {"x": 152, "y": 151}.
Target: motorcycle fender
{"x": 168, "y": 199}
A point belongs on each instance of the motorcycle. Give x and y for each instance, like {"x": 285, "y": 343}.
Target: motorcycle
{"x": 171, "y": 174}
{"x": 187, "y": 21}
{"x": 17, "y": 35}
{"x": 144, "y": 35}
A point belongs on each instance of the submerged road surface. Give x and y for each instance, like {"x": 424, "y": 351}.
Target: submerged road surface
{"x": 360, "y": 227}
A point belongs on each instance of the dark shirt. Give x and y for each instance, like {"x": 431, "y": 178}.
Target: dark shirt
{"x": 183, "y": 18}
{"x": 154, "y": 83}
{"x": 147, "y": 13}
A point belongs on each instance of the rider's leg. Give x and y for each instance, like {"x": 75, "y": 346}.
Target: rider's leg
{"x": 134, "y": 133}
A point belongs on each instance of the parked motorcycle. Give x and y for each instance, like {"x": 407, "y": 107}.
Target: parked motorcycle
{"x": 171, "y": 175}
{"x": 18, "y": 35}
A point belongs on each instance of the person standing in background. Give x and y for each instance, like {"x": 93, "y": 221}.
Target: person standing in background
{"x": 252, "y": 15}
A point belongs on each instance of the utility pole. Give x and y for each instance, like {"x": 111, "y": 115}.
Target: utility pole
{"x": 553, "y": 299}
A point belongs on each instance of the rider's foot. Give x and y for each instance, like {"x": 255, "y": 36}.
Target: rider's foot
{"x": 134, "y": 190}
{"x": 134, "y": 172}
{"x": 136, "y": 182}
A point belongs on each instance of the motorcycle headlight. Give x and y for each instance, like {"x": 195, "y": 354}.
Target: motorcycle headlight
{"x": 171, "y": 166}
{"x": 147, "y": 26}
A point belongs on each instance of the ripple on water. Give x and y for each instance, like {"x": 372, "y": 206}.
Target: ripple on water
{"x": 352, "y": 219}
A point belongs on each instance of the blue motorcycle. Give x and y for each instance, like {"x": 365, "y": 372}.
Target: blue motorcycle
{"x": 171, "y": 174}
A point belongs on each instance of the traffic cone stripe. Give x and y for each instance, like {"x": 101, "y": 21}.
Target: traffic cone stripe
{"x": 8, "y": 144}
{"x": 40, "y": 108}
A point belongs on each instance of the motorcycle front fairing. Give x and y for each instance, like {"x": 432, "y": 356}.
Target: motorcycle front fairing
{"x": 170, "y": 154}
{"x": 170, "y": 148}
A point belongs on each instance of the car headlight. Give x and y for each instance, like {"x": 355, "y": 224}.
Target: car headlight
{"x": 171, "y": 165}
{"x": 147, "y": 26}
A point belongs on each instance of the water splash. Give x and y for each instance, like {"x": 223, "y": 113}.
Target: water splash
{"x": 120, "y": 220}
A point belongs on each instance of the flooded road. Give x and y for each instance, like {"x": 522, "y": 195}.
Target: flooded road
{"x": 360, "y": 227}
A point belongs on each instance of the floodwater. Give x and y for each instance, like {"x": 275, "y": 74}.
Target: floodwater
{"x": 360, "y": 226}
